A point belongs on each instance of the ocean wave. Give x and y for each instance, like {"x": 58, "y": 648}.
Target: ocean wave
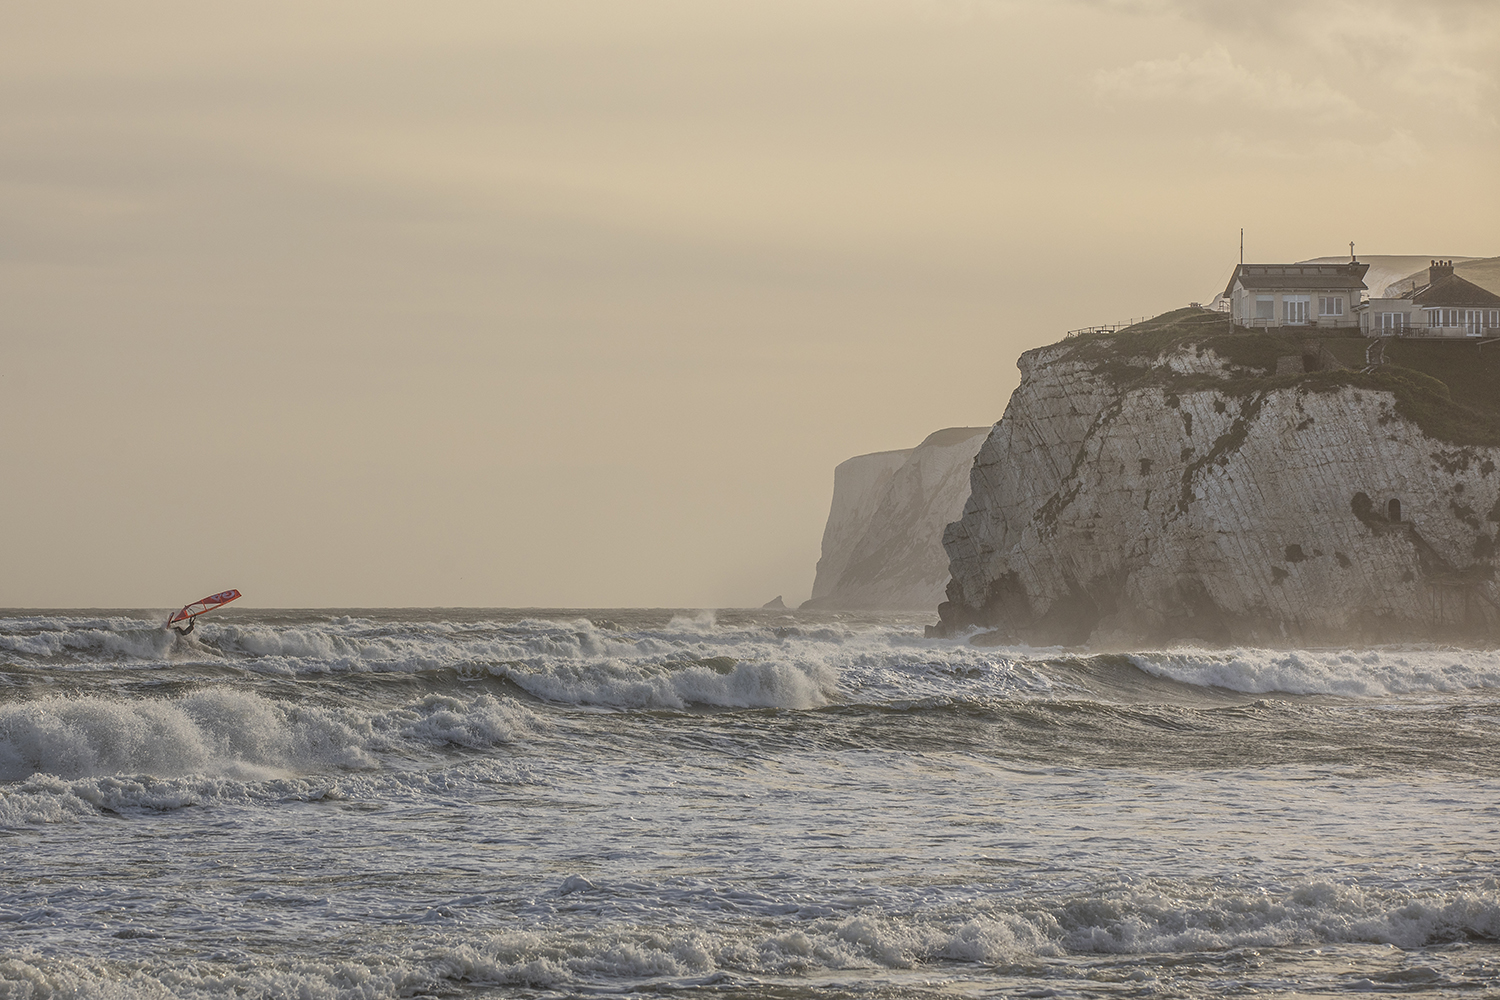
{"x": 235, "y": 734}
{"x": 42, "y": 799}
{"x": 1026, "y": 938}
{"x": 475, "y": 722}
{"x": 687, "y": 661}
{"x": 90, "y": 640}
{"x": 1356, "y": 673}
{"x": 1155, "y": 920}
{"x": 214, "y": 731}
{"x": 34, "y": 975}
{"x": 720, "y": 682}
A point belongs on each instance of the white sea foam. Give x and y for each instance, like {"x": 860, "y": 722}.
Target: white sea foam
{"x": 725, "y": 683}
{"x": 372, "y": 807}
{"x": 1149, "y": 921}
{"x": 1155, "y": 920}
{"x": 233, "y": 734}
{"x": 44, "y": 976}
{"x": 214, "y": 731}
{"x": 696, "y": 660}
{"x": 692, "y": 661}
{"x": 479, "y": 722}
{"x": 119, "y": 639}
{"x": 1358, "y": 673}
{"x": 44, "y": 798}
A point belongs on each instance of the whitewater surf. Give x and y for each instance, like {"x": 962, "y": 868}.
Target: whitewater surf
{"x": 660, "y": 803}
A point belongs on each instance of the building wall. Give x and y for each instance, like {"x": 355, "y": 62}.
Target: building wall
{"x": 1403, "y": 317}
{"x": 1244, "y": 301}
{"x": 1387, "y": 317}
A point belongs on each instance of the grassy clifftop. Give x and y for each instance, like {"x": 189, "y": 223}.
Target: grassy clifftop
{"x": 1451, "y": 389}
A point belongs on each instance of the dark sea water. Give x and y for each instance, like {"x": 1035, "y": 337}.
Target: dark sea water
{"x": 456, "y": 803}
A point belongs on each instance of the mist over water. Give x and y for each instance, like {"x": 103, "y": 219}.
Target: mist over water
{"x": 549, "y": 803}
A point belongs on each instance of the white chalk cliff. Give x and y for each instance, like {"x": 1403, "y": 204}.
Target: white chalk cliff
{"x": 1160, "y": 487}
{"x": 882, "y": 547}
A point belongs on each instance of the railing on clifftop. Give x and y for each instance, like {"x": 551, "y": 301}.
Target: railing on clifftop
{"x": 1105, "y": 327}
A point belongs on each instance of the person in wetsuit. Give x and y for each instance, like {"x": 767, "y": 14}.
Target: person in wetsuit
{"x": 184, "y": 631}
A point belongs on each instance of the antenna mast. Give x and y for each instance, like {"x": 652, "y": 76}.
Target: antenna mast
{"x": 1242, "y": 245}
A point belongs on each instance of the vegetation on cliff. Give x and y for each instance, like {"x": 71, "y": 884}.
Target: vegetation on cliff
{"x": 1448, "y": 388}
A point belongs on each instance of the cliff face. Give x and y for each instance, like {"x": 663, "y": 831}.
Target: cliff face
{"x": 882, "y": 548}
{"x": 1169, "y": 485}
{"x": 858, "y": 485}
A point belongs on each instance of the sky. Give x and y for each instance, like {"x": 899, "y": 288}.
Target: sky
{"x": 578, "y": 304}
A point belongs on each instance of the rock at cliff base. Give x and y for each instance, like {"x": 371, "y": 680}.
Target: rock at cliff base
{"x": 774, "y": 605}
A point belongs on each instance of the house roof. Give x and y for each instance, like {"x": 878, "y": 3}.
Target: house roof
{"x": 1451, "y": 290}
{"x": 1297, "y": 277}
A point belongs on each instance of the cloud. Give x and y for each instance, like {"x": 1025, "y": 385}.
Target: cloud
{"x": 1404, "y": 59}
{"x": 1394, "y": 151}
{"x": 1215, "y": 79}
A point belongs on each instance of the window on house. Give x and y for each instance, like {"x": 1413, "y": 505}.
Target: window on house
{"x": 1330, "y": 305}
{"x": 1265, "y": 307}
{"x": 1294, "y": 308}
{"x": 1390, "y": 321}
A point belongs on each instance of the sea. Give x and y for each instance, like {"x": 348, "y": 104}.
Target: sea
{"x": 732, "y": 804}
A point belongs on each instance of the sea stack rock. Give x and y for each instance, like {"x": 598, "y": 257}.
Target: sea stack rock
{"x": 1165, "y": 483}
{"x": 883, "y": 546}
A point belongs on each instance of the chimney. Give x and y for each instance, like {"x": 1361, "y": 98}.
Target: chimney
{"x": 1439, "y": 270}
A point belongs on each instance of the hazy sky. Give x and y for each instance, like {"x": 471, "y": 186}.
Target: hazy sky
{"x": 580, "y": 304}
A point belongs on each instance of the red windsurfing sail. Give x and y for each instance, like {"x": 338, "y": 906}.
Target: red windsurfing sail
{"x": 191, "y": 611}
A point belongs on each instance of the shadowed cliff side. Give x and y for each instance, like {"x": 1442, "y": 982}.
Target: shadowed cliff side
{"x": 1166, "y": 483}
{"x": 882, "y": 548}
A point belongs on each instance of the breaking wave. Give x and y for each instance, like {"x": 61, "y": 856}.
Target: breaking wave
{"x": 684, "y": 662}
{"x": 813, "y": 940}
{"x": 1354, "y": 673}
{"x": 234, "y": 734}
{"x": 1154, "y": 918}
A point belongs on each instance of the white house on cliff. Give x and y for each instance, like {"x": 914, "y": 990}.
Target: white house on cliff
{"x": 1332, "y": 295}
{"x": 1265, "y": 295}
{"x": 1446, "y": 306}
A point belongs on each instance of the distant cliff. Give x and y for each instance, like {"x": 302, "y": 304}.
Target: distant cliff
{"x": 882, "y": 547}
{"x": 858, "y": 485}
{"x": 1180, "y": 481}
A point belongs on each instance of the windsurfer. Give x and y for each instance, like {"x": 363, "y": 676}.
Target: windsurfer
{"x": 190, "y": 612}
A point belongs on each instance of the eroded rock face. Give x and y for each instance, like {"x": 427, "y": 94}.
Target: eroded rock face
{"x": 883, "y": 546}
{"x": 1116, "y": 511}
